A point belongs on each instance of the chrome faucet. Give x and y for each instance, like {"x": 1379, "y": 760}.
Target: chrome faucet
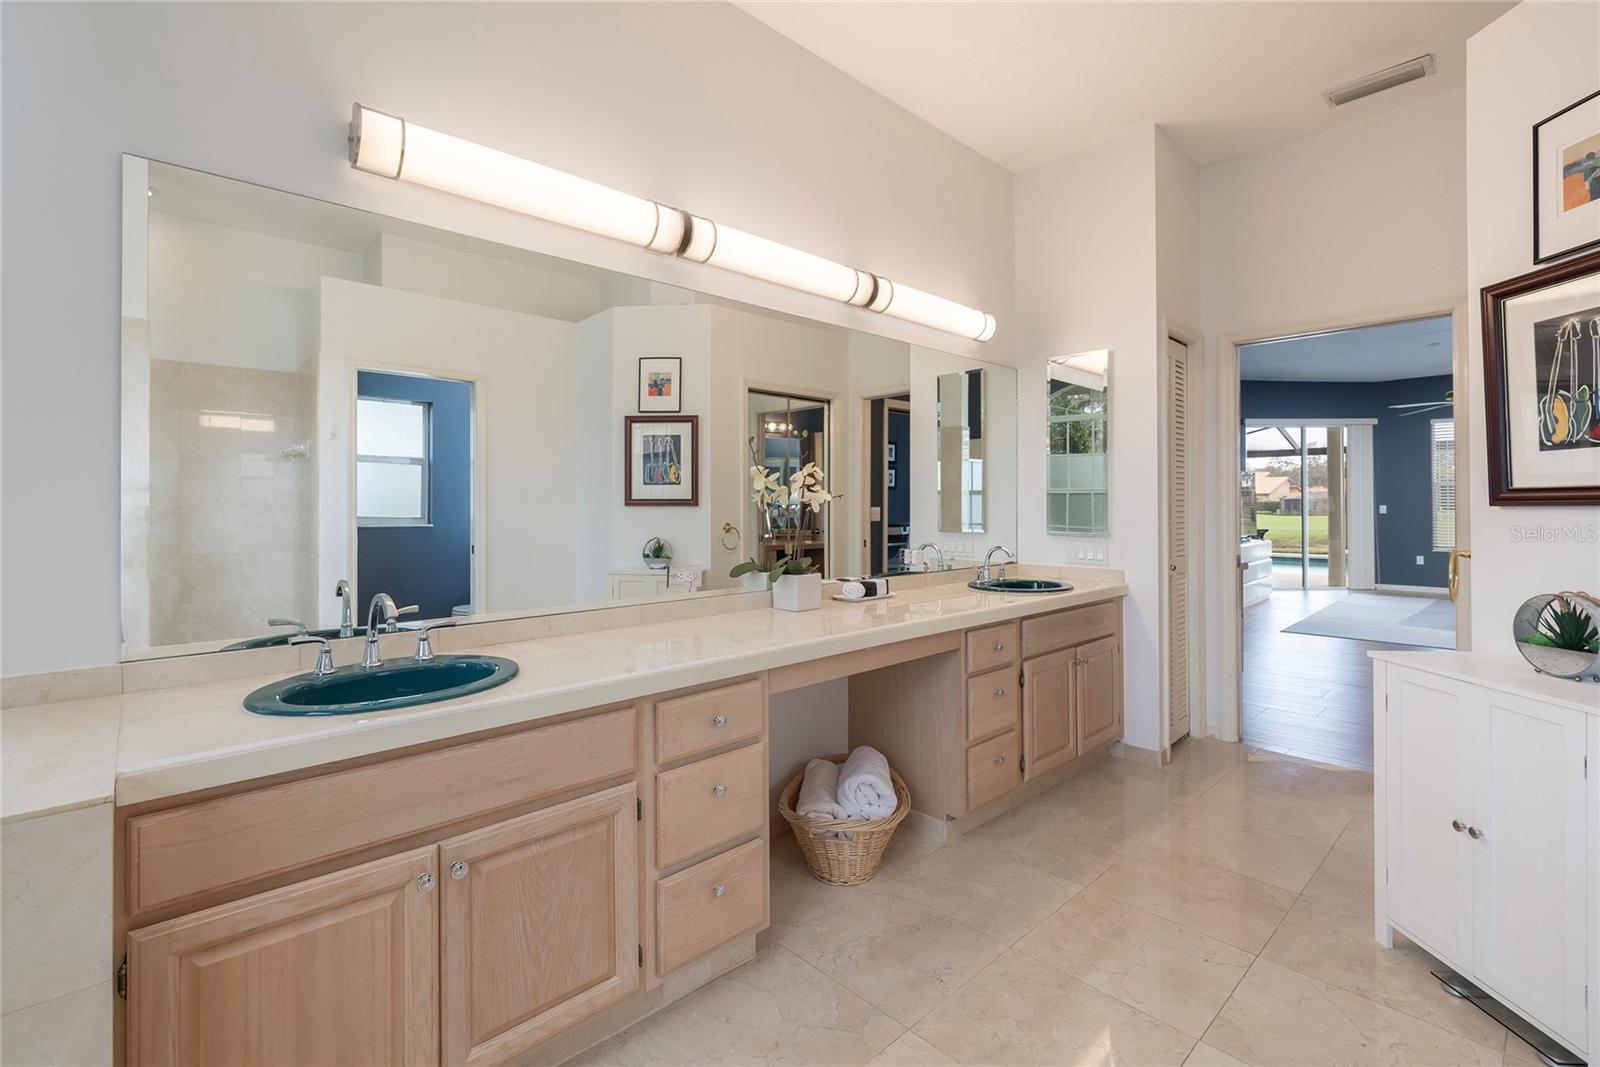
{"x": 937, "y": 551}
{"x": 324, "y": 665}
{"x": 299, "y": 627}
{"x": 347, "y": 627}
{"x": 381, "y": 612}
{"x": 984, "y": 571}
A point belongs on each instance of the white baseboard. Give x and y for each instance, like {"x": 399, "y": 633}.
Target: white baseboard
{"x": 1413, "y": 590}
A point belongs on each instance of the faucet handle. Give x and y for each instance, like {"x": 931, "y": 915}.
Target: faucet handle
{"x": 299, "y": 626}
{"x": 324, "y": 657}
{"x": 424, "y": 646}
{"x": 391, "y": 625}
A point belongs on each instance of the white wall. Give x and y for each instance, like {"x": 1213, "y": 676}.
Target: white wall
{"x": 426, "y": 267}
{"x": 524, "y": 369}
{"x": 1086, "y": 279}
{"x": 641, "y": 97}
{"x": 235, "y": 298}
{"x": 1521, "y": 68}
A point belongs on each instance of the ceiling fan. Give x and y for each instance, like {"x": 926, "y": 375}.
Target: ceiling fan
{"x": 1426, "y": 405}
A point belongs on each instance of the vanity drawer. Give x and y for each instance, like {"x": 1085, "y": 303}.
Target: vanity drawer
{"x": 1064, "y": 629}
{"x": 235, "y": 840}
{"x": 700, "y": 722}
{"x": 993, "y": 702}
{"x": 992, "y": 646}
{"x": 992, "y": 769}
{"x": 708, "y": 802}
{"x": 693, "y": 916}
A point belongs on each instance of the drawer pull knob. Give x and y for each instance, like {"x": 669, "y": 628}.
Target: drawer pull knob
{"x": 1458, "y": 826}
{"x": 719, "y": 720}
{"x": 999, "y": 691}
{"x": 458, "y": 870}
{"x": 999, "y": 760}
{"x": 1475, "y": 833}
{"x": 719, "y": 890}
{"x": 999, "y": 646}
{"x": 719, "y": 790}
{"x": 424, "y": 882}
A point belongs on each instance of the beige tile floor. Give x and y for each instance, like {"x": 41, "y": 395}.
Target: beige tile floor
{"x": 1215, "y": 911}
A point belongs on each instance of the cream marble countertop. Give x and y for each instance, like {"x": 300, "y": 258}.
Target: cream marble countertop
{"x": 148, "y": 745}
{"x": 1507, "y": 673}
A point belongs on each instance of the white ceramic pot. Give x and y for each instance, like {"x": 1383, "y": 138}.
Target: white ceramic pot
{"x": 754, "y": 582}
{"x": 798, "y": 592}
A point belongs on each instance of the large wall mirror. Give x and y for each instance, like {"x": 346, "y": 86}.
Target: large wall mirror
{"x": 1076, "y": 411}
{"x": 318, "y": 400}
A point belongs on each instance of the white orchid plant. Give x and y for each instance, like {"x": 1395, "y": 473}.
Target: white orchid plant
{"x": 804, "y": 490}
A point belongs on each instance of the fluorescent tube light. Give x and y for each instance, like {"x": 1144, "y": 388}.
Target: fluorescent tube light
{"x": 390, "y": 146}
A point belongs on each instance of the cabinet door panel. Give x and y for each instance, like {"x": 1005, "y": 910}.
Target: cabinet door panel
{"x": 1099, "y": 707}
{"x": 1429, "y": 786}
{"x": 1530, "y": 885}
{"x": 541, "y": 928}
{"x": 338, "y": 969}
{"x": 1049, "y": 735}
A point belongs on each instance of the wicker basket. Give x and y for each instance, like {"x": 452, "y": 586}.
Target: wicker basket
{"x": 834, "y": 860}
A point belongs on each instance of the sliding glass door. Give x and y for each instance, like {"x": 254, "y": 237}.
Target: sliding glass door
{"x": 1295, "y": 494}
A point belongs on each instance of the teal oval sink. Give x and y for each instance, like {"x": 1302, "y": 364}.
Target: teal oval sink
{"x": 1022, "y": 585}
{"x": 405, "y": 684}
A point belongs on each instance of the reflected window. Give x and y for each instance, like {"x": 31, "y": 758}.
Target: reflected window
{"x": 1075, "y": 474}
{"x": 392, "y": 462}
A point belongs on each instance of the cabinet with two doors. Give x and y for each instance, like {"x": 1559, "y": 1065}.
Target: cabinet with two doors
{"x": 1040, "y": 693}
{"x": 1488, "y": 832}
{"x": 459, "y": 905}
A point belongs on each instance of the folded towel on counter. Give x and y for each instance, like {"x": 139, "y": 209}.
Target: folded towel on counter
{"x": 863, "y": 588}
{"x": 865, "y": 788}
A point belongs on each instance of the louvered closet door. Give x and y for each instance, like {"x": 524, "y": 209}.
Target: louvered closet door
{"x": 1177, "y": 422}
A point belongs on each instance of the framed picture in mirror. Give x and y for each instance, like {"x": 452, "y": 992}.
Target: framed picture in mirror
{"x": 660, "y": 384}
{"x": 662, "y": 454}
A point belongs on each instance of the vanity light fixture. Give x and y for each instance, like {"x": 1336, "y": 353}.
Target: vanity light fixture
{"x": 390, "y": 146}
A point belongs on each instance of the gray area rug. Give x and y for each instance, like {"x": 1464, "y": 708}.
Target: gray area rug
{"x": 1396, "y": 620}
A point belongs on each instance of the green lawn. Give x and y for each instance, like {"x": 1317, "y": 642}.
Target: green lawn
{"x": 1284, "y": 532}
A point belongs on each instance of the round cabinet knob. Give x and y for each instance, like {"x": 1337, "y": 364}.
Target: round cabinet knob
{"x": 1458, "y": 826}
{"x": 998, "y": 760}
{"x": 719, "y": 720}
{"x": 999, "y": 646}
{"x": 424, "y": 882}
{"x": 999, "y": 691}
{"x": 719, "y": 790}
{"x": 719, "y": 890}
{"x": 1475, "y": 833}
{"x": 458, "y": 870}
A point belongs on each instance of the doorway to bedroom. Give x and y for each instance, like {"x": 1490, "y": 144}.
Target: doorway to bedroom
{"x": 1347, "y": 525}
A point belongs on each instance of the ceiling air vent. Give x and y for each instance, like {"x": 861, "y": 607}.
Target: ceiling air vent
{"x": 1377, "y": 82}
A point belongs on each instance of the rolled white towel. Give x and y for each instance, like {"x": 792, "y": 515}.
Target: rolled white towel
{"x": 865, "y": 788}
{"x": 819, "y": 791}
{"x": 863, "y": 588}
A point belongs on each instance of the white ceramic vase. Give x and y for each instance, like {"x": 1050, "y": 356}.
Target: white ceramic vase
{"x": 797, "y": 592}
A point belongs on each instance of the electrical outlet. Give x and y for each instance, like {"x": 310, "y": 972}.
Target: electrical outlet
{"x": 1419, "y": 561}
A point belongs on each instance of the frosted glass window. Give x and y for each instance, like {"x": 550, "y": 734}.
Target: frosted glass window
{"x": 392, "y": 462}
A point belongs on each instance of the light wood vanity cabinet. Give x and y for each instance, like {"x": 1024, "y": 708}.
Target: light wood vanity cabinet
{"x": 1048, "y": 728}
{"x": 540, "y": 918}
{"x": 337, "y": 969}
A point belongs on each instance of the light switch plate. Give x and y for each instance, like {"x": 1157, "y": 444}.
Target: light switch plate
{"x": 1383, "y": 509}
{"x": 1419, "y": 561}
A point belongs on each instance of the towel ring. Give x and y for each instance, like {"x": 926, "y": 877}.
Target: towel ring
{"x": 730, "y": 528}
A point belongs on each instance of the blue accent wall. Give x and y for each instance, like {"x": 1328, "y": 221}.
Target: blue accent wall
{"x": 430, "y": 566}
{"x": 1402, "y": 459}
{"x": 899, "y": 498}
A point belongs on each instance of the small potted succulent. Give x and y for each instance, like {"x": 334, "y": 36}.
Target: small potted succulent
{"x": 1556, "y": 634}
{"x": 796, "y": 582}
{"x": 657, "y": 554}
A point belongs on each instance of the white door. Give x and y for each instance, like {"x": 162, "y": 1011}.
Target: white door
{"x": 1177, "y": 437}
{"x": 1429, "y": 810}
{"x": 1531, "y": 892}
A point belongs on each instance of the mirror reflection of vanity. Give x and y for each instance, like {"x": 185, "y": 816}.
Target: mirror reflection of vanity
{"x": 318, "y": 398}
